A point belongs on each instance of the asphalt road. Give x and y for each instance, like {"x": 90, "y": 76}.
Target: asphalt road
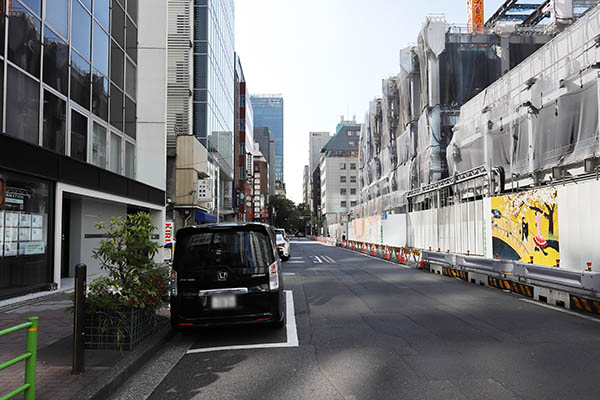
{"x": 369, "y": 329}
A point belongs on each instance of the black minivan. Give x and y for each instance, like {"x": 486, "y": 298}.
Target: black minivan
{"x": 224, "y": 274}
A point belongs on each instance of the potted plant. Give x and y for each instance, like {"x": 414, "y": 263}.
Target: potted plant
{"x": 121, "y": 306}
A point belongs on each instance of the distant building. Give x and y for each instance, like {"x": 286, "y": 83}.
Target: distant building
{"x": 265, "y": 138}
{"x": 339, "y": 174}
{"x": 306, "y": 186}
{"x": 268, "y": 112}
{"x": 260, "y": 187}
{"x": 244, "y": 145}
{"x": 316, "y": 141}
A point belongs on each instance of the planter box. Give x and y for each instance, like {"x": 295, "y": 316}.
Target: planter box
{"x": 102, "y": 333}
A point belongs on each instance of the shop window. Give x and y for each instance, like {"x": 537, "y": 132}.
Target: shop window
{"x": 99, "y": 145}
{"x": 56, "y": 61}
{"x": 25, "y": 205}
{"x": 58, "y": 16}
{"x": 80, "y": 80}
{"x": 55, "y": 118}
{"x": 24, "y": 39}
{"x": 79, "y": 126}
{"x": 115, "y": 153}
{"x": 22, "y": 106}
{"x": 102, "y": 12}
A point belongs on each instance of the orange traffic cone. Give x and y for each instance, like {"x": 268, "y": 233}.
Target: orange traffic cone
{"x": 387, "y": 254}
{"x": 364, "y": 248}
{"x": 373, "y": 250}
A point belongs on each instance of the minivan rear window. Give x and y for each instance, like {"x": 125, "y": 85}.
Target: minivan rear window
{"x": 249, "y": 251}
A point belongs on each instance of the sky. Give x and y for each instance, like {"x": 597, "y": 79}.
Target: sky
{"x": 327, "y": 58}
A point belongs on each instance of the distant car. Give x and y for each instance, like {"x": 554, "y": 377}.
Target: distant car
{"x": 300, "y": 234}
{"x": 283, "y": 244}
{"x": 226, "y": 274}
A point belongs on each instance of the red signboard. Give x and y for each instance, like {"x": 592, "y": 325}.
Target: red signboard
{"x": 169, "y": 234}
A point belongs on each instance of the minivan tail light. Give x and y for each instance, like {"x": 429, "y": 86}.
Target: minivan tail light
{"x": 173, "y": 283}
{"x": 273, "y": 277}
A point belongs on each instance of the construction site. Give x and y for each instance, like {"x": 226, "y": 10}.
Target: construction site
{"x": 486, "y": 141}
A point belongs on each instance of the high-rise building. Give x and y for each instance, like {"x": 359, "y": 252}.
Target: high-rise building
{"x": 268, "y": 112}
{"x": 83, "y": 120}
{"x": 207, "y": 71}
{"x": 306, "y": 186}
{"x": 316, "y": 141}
{"x": 265, "y": 138}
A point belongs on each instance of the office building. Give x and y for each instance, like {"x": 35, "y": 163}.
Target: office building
{"x": 268, "y": 112}
{"x": 339, "y": 175}
{"x": 260, "y": 187}
{"x": 306, "y": 186}
{"x": 244, "y": 145}
{"x": 265, "y": 138}
{"x": 316, "y": 141}
{"x": 81, "y": 141}
{"x": 206, "y": 70}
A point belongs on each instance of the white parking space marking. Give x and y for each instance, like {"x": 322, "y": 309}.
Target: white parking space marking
{"x": 291, "y": 333}
{"x": 562, "y": 310}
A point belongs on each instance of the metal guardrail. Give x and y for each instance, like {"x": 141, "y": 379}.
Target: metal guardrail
{"x": 485, "y": 264}
{"x": 583, "y": 280}
{"x": 29, "y": 357}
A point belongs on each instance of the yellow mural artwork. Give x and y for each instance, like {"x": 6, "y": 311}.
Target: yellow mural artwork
{"x": 525, "y": 225}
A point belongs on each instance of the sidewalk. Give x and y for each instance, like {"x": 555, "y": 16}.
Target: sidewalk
{"x": 55, "y": 330}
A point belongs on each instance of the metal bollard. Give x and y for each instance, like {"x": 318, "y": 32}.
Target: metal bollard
{"x": 79, "y": 319}
{"x": 32, "y": 333}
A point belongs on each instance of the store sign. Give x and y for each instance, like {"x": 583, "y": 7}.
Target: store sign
{"x": 204, "y": 193}
{"x": 169, "y": 232}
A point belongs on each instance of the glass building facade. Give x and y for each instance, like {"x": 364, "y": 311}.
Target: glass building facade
{"x": 268, "y": 112}
{"x": 68, "y": 75}
{"x": 213, "y": 86}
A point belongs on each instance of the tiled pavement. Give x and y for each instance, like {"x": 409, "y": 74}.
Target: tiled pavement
{"x": 54, "y": 379}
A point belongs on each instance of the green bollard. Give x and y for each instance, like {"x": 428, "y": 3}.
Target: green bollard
{"x": 32, "y": 333}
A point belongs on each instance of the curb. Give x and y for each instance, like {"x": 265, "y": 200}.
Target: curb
{"x": 116, "y": 376}
{"x": 38, "y": 299}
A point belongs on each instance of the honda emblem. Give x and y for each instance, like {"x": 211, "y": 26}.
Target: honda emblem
{"x": 222, "y": 275}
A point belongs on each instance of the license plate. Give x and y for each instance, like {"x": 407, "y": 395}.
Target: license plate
{"x": 221, "y": 301}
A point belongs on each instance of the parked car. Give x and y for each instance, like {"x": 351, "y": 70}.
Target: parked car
{"x": 226, "y": 274}
{"x": 283, "y": 244}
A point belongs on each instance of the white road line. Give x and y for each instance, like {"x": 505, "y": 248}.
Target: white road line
{"x": 562, "y": 310}
{"x": 291, "y": 332}
{"x": 329, "y": 259}
{"x": 288, "y": 274}
{"x": 295, "y": 258}
{"x": 294, "y": 262}
{"x": 318, "y": 260}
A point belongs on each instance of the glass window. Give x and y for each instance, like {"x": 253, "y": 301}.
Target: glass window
{"x": 81, "y": 29}
{"x": 131, "y": 40}
{"x": 24, "y": 252}
{"x": 130, "y": 83}
{"x": 342, "y": 179}
{"x": 116, "y": 107}
{"x": 99, "y": 145}
{"x": 100, "y": 95}
{"x": 35, "y": 5}
{"x": 343, "y": 191}
{"x": 2, "y": 25}
{"x": 80, "y": 80}
{"x": 78, "y": 136}
{"x": 115, "y": 153}
{"x": 353, "y": 179}
{"x": 353, "y": 191}
{"x": 352, "y": 165}
{"x": 117, "y": 29}
{"x": 130, "y": 118}
{"x": 343, "y": 166}
{"x": 102, "y": 12}
{"x": 58, "y": 16}
{"x": 22, "y": 106}
{"x": 129, "y": 160}
{"x": 353, "y": 204}
{"x": 343, "y": 203}
{"x": 117, "y": 60}
{"x": 87, "y": 3}
{"x": 132, "y": 9}
{"x": 24, "y": 39}
{"x": 100, "y": 50}
{"x": 56, "y": 62}
{"x": 55, "y": 122}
